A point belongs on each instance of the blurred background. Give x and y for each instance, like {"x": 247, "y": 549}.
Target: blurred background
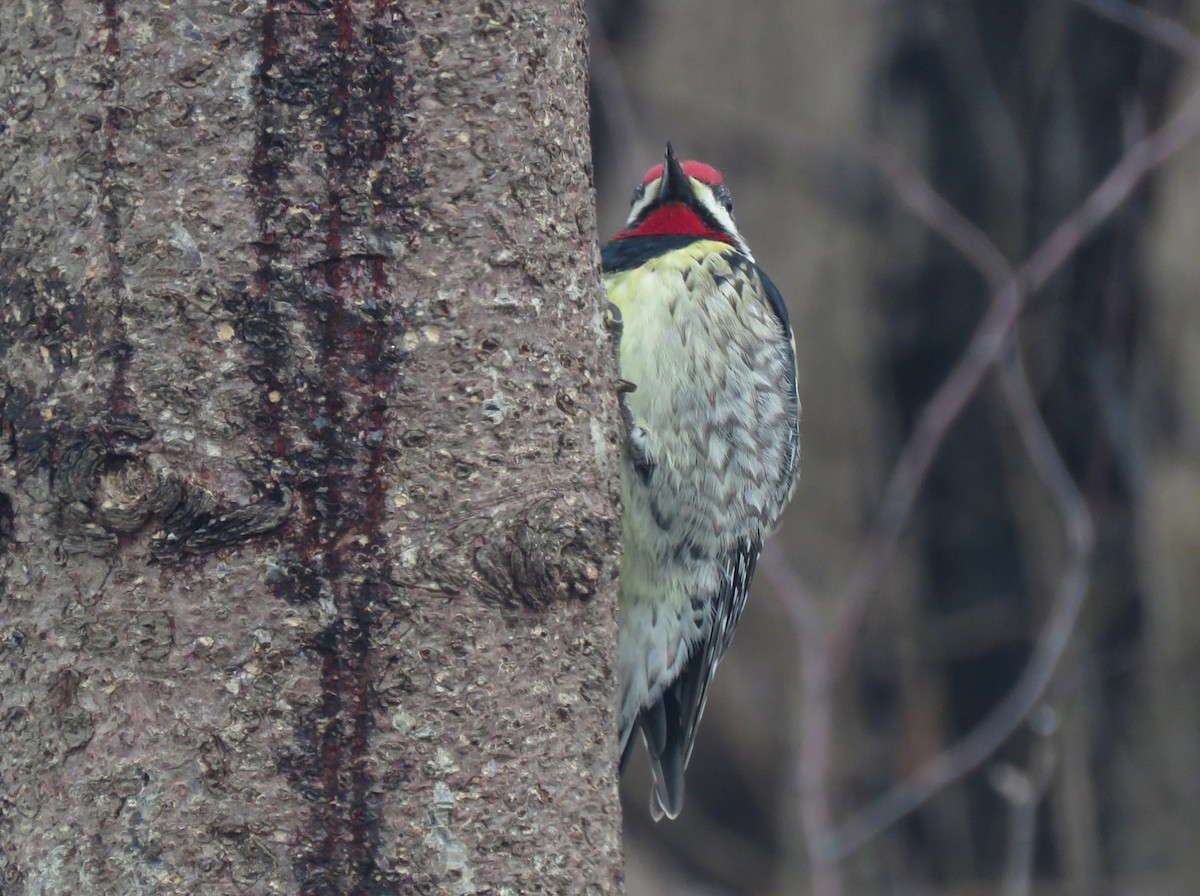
{"x": 993, "y": 687}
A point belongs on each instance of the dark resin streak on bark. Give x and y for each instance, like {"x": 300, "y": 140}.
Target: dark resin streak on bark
{"x": 111, "y": 206}
{"x": 264, "y": 185}
{"x": 381, "y": 96}
{"x": 334, "y": 76}
{"x": 347, "y": 818}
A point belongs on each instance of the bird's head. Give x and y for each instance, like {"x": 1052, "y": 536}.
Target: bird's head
{"x": 683, "y": 199}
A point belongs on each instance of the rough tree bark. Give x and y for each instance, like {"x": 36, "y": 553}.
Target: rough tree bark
{"x": 307, "y": 500}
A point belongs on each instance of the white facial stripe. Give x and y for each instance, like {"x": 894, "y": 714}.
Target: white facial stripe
{"x": 649, "y": 195}
{"x": 720, "y": 214}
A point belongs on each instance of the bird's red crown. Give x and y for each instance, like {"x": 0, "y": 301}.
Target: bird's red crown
{"x": 704, "y": 173}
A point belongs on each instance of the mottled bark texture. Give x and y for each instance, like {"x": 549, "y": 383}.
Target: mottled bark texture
{"x": 307, "y": 499}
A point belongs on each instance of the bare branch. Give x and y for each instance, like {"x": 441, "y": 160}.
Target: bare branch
{"x": 973, "y": 749}
{"x": 1009, "y": 290}
{"x": 1140, "y": 159}
{"x": 985, "y": 346}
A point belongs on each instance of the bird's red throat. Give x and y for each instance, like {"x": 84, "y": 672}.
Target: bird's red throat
{"x": 673, "y": 219}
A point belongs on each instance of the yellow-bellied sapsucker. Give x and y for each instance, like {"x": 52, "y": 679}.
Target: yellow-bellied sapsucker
{"x": 711, "y": 449}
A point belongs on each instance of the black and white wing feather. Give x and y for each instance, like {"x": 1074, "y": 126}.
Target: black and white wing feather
{"x": 669, "y": 726}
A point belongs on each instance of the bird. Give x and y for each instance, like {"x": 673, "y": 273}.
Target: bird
{"x": 710, "y": 418}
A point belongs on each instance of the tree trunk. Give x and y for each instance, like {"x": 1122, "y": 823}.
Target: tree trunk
{"x": 307, "y": 490}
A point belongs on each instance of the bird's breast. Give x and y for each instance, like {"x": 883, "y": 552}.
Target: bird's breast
{"x": 715, "y": 393}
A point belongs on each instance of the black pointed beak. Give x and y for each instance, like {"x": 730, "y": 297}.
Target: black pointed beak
{"x": 674, "y": 186}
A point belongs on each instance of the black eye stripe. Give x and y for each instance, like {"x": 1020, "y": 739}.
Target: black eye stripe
{"x": 722, "y": 195}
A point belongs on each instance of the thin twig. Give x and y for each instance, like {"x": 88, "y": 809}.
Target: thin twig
{"x": 815, "y": 726}
{"x": 1023, "y": 790}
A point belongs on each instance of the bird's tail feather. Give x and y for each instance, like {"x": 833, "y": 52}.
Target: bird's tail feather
{"x": 665, "y": 744}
